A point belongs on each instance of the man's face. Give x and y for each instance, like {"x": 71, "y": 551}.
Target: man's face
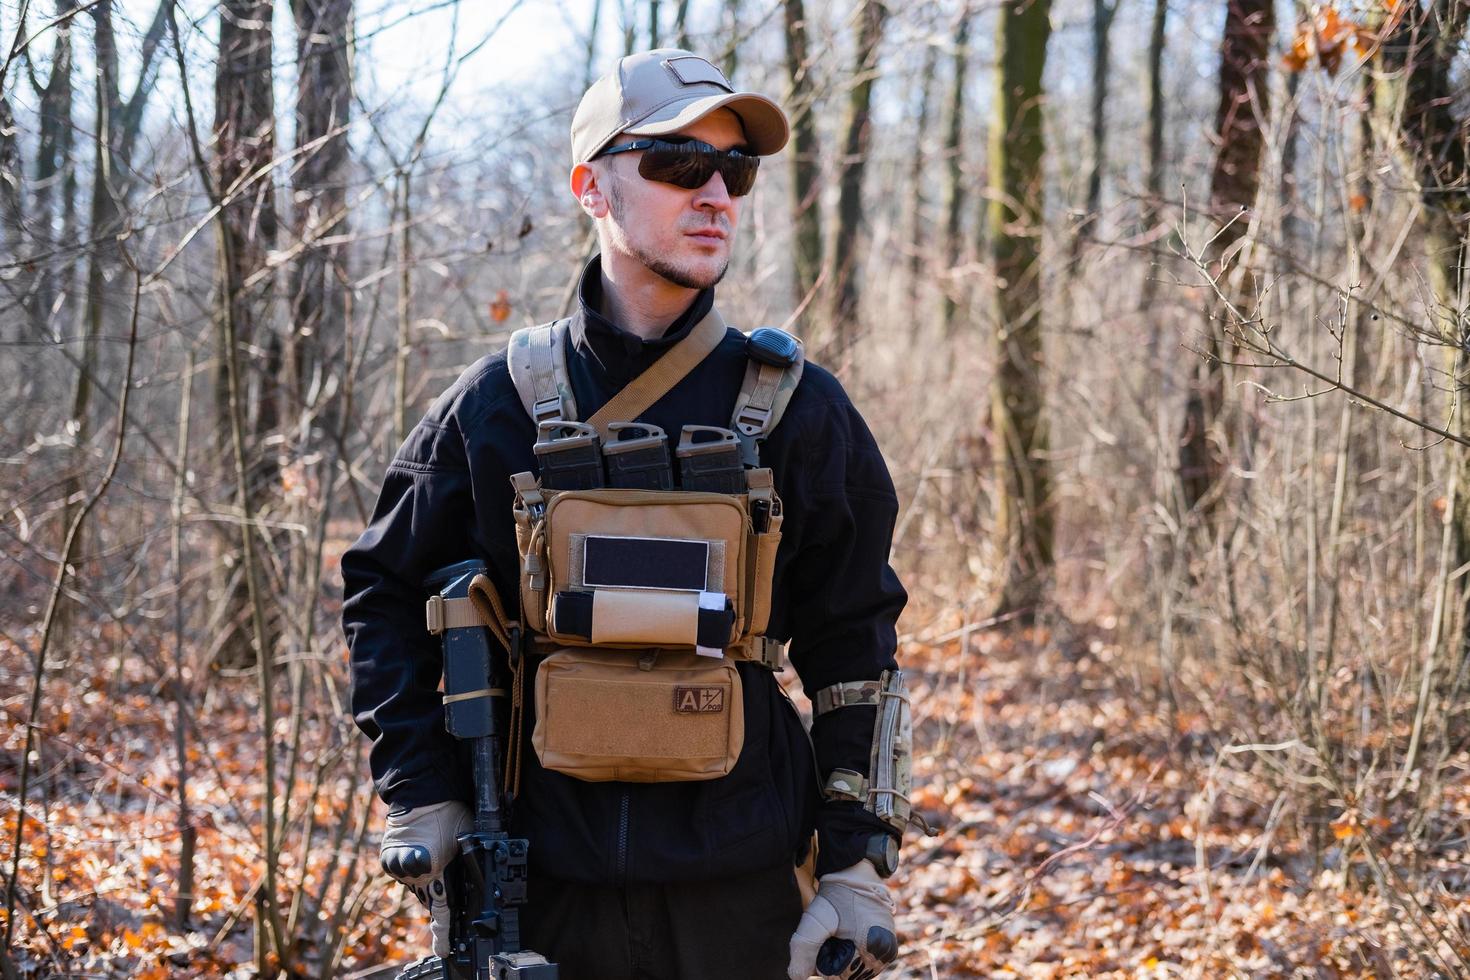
{"x": 684, "y": 236}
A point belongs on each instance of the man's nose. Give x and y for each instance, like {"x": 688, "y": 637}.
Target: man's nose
{"x": 714, "y": 196}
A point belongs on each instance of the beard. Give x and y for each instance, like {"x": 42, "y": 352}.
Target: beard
{"x": 687, "y": 278}
{"x": 658, "y": 264}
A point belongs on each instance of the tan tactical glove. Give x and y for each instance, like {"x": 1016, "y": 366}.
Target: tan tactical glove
{"x": 417, "y": 846}
{"x": 847, "y": 931}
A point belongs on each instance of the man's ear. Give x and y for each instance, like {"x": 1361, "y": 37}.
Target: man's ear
{"x": 587, "y": 189}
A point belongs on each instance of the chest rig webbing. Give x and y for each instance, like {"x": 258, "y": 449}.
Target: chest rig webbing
{"x": 641, "y": 595}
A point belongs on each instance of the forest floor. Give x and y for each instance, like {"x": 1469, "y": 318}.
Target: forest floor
{"x": 1080, "y": 834}
{"x": 1074, "y": 835}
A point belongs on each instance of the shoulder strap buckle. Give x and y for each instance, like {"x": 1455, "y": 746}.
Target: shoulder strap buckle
{"x": 537, "y": 359}
{"x": 751, "y": 420}
{"x": 769, "y": 383}
{"x": 546, "y": 410}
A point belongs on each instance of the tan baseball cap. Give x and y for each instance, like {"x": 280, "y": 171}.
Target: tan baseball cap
{"x": 658, "y": 92}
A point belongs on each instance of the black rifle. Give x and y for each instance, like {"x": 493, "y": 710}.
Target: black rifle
{"x": 487, "y": 882}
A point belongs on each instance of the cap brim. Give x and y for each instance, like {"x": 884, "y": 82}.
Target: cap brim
{"x": 766, "y": 129}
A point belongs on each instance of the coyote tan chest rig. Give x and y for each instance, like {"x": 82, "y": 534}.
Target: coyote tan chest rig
{"x": 640, "y": 596}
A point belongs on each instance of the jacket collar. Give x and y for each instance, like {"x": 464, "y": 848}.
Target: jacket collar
{"x": 619, "y": 353}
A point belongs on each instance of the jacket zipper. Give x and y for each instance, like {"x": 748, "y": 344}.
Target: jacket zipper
{"x": 623, "y": 839}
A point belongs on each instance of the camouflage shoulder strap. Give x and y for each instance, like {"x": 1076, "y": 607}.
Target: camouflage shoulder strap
{"x": 537, "y": 357}
{"x": 764, "y": 395}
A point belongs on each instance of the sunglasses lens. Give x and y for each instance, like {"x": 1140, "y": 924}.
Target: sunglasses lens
{"x": 676, "y": 166}
{"x": 690, "y": 167}
{"x": 739, "y": 174}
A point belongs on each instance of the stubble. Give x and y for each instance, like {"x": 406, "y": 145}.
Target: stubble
{"x": 657, "y": 264}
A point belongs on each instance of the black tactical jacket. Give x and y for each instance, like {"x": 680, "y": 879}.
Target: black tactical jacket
{"x": 447, "y": 497}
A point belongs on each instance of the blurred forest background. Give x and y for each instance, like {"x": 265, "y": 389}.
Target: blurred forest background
{"x": 1157, "y": 307}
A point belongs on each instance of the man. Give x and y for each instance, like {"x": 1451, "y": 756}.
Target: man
{"x": 663, "y": 879}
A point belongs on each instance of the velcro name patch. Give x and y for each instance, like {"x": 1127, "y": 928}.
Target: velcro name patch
{"x": 692, "y": 71}
{"x": 646, "y": 563}
{"x": 699, "y": 700}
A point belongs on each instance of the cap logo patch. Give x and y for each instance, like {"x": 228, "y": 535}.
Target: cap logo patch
{"x": 692, "y": 71}
{"x": 699, "y": 700}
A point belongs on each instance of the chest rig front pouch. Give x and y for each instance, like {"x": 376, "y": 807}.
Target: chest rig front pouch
{"x": 600, "y": 715}
{"x": 646, "y": 600}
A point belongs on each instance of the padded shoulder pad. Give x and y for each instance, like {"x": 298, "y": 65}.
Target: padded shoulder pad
{"x": 764, "y": 395}
{"x": 537, "y": 358}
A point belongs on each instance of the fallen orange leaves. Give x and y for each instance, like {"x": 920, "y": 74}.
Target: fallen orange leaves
{"x": 1058, "y": 736}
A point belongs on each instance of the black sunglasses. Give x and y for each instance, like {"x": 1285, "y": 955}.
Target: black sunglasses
{"x": 689, "y": 163}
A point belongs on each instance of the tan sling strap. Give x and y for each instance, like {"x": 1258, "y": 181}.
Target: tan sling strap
{"x": 662, "y": 375}
{"x": 481, "y": 607}
{"x": 449, "y": 614}
{"x": 507, "y": 630}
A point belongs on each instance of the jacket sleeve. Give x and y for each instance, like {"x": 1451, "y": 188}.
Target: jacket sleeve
{"x": 423, "y": 519}
{"x": 843, "y": 601}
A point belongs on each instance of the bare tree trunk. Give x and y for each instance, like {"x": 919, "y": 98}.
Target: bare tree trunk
{"x": 1417, "y": 84}
{"x": 628, "y": 17}
{"x": 1102, "y": 25}
{"x": 240, "y": 188}
{"x": 319, "y": 206}
{"x": 1153, "y": 184}
{"x": 119, "y": 121}
{"x": 245, "y": 144}
{"x": 732, "y": 53}
{"x": 188, "y": 836}
{"x": 118, "y": 125}
{"x": 1290, "y": 152}
{"x": 954, "y": 188}
{"x": 918, "y": 243}
{"x": 871, "y": 15}
{"x": 1362, "y": 231}
{"x": 11, "y": 223}
{"x": 681, "y": 29}
{"x": 806, "y": 215}
{"x": 1244, "y": 91}
{"x": 1023, "y": 506}
{"x": 590, "y": 64}
{"x": 102, "y": 262}
{"x": 405, "y": 303}
{"x": 654, "y": 33}
{"x": 53, "y": 172}
{"x": 105, "y": 212}
{"x": 1413, "y": 87}
{"x": 12, "y": 169}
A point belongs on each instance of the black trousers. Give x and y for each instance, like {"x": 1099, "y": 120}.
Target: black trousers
{"x": 727, "y": 929}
